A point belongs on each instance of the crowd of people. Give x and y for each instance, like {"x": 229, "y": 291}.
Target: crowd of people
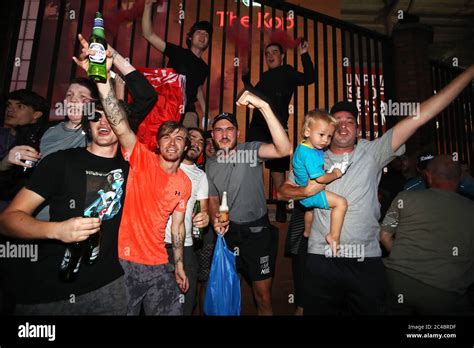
{"x": 148, "y": 261}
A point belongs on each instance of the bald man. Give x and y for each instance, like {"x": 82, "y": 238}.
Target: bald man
{"x": 430, "y": 237}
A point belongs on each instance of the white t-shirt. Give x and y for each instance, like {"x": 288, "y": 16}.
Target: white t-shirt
{"x": 200, "y": 190}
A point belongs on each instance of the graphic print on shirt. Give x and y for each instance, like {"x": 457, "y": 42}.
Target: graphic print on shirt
{"x": 104, "y": 192}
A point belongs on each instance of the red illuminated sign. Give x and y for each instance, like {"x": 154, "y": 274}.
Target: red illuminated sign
{"x": 244, "y": 21}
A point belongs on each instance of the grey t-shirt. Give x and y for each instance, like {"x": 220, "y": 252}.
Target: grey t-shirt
{"x": 60, "y": 137}
{"x": 56, "y": 138}
{"x": 241, "y": 177}
{"x": 434, "y": 238}
{"x": 360, "y": 231}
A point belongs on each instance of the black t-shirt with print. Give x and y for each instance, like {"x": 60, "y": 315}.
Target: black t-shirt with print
{"x": 185, "y": 62}
{"x": 74, "y": 182}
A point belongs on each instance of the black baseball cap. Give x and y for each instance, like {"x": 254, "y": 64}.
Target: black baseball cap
{"x": 345, "y": 105}
{"x": 423, "y": 160}
{"x": 225, "y": 116}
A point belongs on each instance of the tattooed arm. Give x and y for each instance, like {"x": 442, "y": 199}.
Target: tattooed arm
{"x": 178, "y": 234}
{"x": 116, "y": 116}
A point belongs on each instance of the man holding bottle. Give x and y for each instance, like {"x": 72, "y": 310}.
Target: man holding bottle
{"x": 237, "y": 170}
{"x": 68, "y": 180}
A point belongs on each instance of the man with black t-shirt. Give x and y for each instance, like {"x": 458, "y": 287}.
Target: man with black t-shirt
{"x": 278, "y": 84}
{"x": 71, "y": 181}
{"x": 187, "y": 62}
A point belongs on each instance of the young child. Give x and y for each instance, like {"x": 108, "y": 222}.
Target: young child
{"x": 308, "y": 164}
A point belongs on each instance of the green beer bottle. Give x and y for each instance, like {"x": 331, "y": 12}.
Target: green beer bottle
{"x": 97, "y": 62}
{"x": 197, "y": 232}
{"x": 92, "y": 248}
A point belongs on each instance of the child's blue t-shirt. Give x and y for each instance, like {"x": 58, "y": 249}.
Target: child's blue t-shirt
{"x": 308, "y": 163}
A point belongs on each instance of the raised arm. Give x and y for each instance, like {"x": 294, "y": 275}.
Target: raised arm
{"x": 404, "y": 129}
{"x": 116, "y": 116}
{"x": 308, "y": 76}
{"x": 144, "y": 98}
{"x": 281, "y": 146}
{"x": 114, "y": 112}
{"x": 147, "y": 27}
{"x": 143, "y": 94}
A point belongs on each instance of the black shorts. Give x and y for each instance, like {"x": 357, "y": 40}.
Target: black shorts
{"x": 257, "y": 133}
{"x": 255, "y": 245}
{"x": 334, "y": 286}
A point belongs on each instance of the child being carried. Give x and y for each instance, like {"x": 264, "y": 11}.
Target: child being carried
{"x": 308, "y": 164}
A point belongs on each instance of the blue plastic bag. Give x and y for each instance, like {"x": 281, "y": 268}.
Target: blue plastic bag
{"x": 223, "y": 287}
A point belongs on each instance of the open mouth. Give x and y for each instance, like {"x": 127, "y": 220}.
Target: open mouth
{"x": 171, "y": 150}
{"x": 104, "y": 131}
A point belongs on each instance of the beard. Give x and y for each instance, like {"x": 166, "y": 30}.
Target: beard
{"x": 192, "y": 156}
{"x": 171, "y": 157}
{"x": 193, "y": 153}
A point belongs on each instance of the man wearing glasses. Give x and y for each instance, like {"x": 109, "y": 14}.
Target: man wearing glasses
{"x": 69, "y": 181}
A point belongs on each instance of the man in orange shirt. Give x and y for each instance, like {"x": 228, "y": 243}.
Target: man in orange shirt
{"x": 156, "y": 190}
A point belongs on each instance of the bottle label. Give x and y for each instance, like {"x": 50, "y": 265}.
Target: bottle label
{"x": 196, "y": 233}
{"x": 76, "y": 269}
{"x": 95, "y": 253}
{"x": 224, "y": 216}
{"x": 99, "y": 23}
{"x": 66, "y": 259}
{"x": 30, "y": 163}
{"x": 99, "y": 56}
